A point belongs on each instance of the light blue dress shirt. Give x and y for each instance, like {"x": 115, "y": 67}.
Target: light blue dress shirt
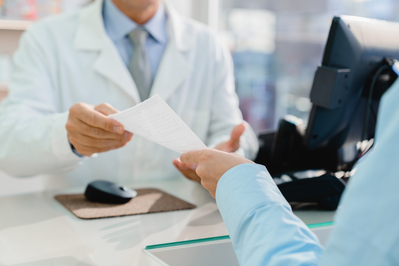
{"x": 118, "y": 26}
{"x": 264, "y": 231}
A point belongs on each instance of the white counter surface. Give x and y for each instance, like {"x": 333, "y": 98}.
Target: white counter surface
{"x": 37, "y": 230}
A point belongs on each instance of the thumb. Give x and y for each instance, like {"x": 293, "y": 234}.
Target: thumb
{"x": 106, "y": 109}
{"x": 236, "y": 134}
{"x": 191, "y": 157}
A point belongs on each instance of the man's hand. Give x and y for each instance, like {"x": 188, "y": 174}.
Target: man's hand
{"x": 91, "y": 131}
{"x": 211, "y": 165}
{"x": 232, "y": 145}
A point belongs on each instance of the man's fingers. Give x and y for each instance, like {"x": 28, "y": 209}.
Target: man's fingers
{"x": 100, "y": 144}
{"x": 186, "y": 171}
{"x": 106, "y": 109}
{"x": 93, "y": 118}
{"x": 236, "y": 134}
{"x": 91, "y": 131}
{"x": 76, "y": 125}
{"x": 191, "y": 157}
{"x": 85, "y": 150}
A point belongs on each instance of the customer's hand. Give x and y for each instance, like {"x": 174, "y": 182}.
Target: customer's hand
{"x": 232, "y": 145}
{"x": 211, "y": 165}
{"x": 91, "y": 131}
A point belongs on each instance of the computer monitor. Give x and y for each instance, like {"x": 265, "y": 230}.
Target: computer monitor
{"x": 346, "y": 91}
{"x": 342, "y": 113}
{"x": 356, "y": 70}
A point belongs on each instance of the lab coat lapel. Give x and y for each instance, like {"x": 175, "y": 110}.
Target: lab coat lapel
{"x": 171, "y": 73}
{"x": 110, "y": 65}
{"x": 174, "y": 67}
{"x": 91, "y": 36}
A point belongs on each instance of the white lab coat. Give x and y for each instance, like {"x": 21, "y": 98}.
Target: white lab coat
{"x": 68, "y": 59}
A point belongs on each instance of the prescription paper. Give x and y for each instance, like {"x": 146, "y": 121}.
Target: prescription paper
{"x": 154, "y": 120}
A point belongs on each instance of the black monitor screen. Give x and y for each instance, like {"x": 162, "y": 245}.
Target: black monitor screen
{"x": 355, "y": 49}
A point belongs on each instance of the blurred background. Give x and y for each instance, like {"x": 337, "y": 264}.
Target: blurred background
{"x": 276, "y": 46}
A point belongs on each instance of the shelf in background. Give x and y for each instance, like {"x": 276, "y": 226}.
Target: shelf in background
{"x": 10, "y": 32}
{"x": 20, "y": 25}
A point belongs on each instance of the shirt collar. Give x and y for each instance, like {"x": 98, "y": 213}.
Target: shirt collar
{"x": 118, "y": 25}
{"x": 156, "y": 26}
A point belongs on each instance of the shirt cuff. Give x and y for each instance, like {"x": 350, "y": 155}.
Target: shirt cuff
{"x": 59, "y": 139}
{"x": 74, "y": 150}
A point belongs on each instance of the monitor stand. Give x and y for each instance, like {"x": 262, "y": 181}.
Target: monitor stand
{"x": 321, "y": 190}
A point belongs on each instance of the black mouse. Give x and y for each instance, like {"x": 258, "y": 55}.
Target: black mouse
{"x": 108, "y": 192}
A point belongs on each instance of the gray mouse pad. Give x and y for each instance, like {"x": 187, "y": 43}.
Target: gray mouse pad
{"x": 146, "y": 201}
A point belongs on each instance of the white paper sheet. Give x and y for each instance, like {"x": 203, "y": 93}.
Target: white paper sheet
{"x": 154, "y": 120}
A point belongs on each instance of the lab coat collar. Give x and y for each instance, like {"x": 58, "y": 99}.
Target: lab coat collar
{"x": 176, "y": 29}
{"x": 90, "y": 34}
{"x": 174, "y": 67}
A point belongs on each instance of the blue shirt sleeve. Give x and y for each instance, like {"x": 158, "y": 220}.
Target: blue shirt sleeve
{"x": 264, "y": 231}
{"x": 262, "y": 227}
{"x": 74, "y": 150}
{"x": 366, "y": 230}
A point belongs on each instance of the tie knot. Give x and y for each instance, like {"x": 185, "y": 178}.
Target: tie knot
{"x": 138, "y": 36}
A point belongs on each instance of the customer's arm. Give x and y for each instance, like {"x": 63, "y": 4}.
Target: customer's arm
{"x": 262, "y": 227}
{"x": 260, "y": 222}
{"x": 366, "y": 228}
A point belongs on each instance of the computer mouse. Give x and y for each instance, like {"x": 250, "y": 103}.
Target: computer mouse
{"x": 108, "y": 192}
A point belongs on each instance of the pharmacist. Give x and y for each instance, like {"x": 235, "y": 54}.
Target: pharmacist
{"x": 73, "y": 70}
